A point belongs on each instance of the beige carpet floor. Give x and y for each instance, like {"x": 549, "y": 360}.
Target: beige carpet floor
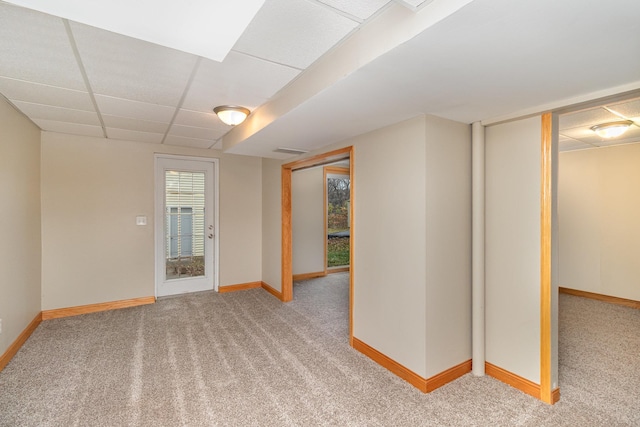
{"x": 245, "y": 359}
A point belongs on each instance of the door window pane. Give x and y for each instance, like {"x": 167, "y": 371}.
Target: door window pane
{"x": 184, "y": 224}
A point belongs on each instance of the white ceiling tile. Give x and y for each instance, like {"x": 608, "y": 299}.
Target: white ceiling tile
{"x": 188, "y": 142}
{"x": 239, "y": 80}
{"x": 35, "y": 47}
{"x": 133, "y": 109}
{"x": 628, "y": 109}
{"x": 362, "y": 9}
{"x": 202, "y": 27}
{"x": 134, "y": 124}
{"x": 130, "y": 135}
{"x": 47, "y": 112}
{"x": 20, "y": 90}
{"x": 124, "y": 67}
{"x": 415, "y": 3}
{"x": 293, "y": 32}
{"x": 217, "y": 145}
{"x": 71, "y": 128}
{"x": 586, "y": 118}
{"x": 196, "y": 132}
{"x": 201, "y": 120}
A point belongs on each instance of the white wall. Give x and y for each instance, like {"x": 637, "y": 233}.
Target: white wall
{"x": 599, "y": 213}
{"x": 307, "y": 220}
{"x": 512, "y": 245}
{"x": 20, "y": 253}
{"x": 448, "y": 258}
{"x": 92, "y": 190}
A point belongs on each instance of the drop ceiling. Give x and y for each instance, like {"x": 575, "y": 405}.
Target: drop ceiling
{"x": 314, "y": 72}
{"x": 575, "y": 128}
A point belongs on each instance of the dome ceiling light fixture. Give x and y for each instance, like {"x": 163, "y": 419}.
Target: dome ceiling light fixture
{"x": 611, "y": 129}
{"x": 231, "y": 114}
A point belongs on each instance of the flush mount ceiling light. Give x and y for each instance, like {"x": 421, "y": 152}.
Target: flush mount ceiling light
{"x": 612, "y": 129}
{"x": 231, "y": 115}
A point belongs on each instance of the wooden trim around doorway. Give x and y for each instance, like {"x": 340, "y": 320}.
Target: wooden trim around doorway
{"x": 287, "y": 265}
{"x": 546, "y": 162}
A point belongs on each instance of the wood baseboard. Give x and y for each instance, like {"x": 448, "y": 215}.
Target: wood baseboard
{"x": 604, "y": 298}
{"x": 515, "y": 381}
{"x": 449, "y": 375}
{"x": 272, "y": 291}
{"x": 15, "y": 346}
{"x": 93, "y": 308}
{"x": 337, "y": 270}
{"x": 555, "y": 396}
{"x": 307, "y": 276}
{"x": 239, "y": 287}
{"x": 425, "y": 385}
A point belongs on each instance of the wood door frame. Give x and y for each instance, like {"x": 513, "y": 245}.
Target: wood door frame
{"x": 547, "y": 393}
{"x": 158, "y": 215}
{"x": 325, "y": 205}
{"x": 287, "y": 242}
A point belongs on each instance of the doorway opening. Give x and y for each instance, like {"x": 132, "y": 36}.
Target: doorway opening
{"x": 287, "y": 251}
{"x": 595, "y": 238}
{"x": 185, "y": 225}
{"x": 337, "y": 201}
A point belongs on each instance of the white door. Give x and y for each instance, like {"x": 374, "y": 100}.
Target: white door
{"x": 185, "y": 230}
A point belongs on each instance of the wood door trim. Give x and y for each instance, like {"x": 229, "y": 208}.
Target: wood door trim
{"x": 286, "y": 255}
{"x": 546, "y": 159}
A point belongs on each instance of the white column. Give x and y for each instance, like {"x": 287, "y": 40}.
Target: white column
{"x": 477, "y": 253}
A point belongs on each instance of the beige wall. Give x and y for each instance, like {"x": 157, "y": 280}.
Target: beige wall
{"x": 513, "y": 247}
{"x": 20, "y": 253}
{"x": 599, "y": 215}
{"x": 272, "y": 223}
{"x": 92, "y": 190}
{"x": 307, "y": 220}
{"x": 448, "y": 258}
{"x": 390, "y": 242}
{"x": 397, "y": 176}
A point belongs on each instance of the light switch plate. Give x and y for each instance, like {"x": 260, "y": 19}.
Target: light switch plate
{"x": 141, "y": 220}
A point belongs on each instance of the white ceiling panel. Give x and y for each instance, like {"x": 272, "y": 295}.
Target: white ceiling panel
{"x": 362, "y": 9}
{"x": 201, "y": 120}
{"x": 35, "y": 47}
{"x": 130, "y": 135}
{"x": 205, "y": 28}
{"x": 187, "y": 142}
{"x": 71, "y": 128}
{"x": 414, "y": 4}
{"x": 133, "y": 109}
{"x": 629, "y": 109}
{"x": 134, "y": 124}
{"x": 47, "y": 112}
{"x": 20, "y": 90}
{"x": 293, "y": 32}
{"x": 196, "y": 133}
{"x": 239, "y": 80}
{"x": 586, "y": 118}
{"x": 124, "y": 67}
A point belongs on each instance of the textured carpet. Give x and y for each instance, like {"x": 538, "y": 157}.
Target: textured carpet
{"x": 245, "y": 359}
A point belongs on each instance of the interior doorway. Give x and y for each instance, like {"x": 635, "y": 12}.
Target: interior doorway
{"x": 337, "y": 217}
{"x": 592, "y": 194}
{"x": 287, "y": 252}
